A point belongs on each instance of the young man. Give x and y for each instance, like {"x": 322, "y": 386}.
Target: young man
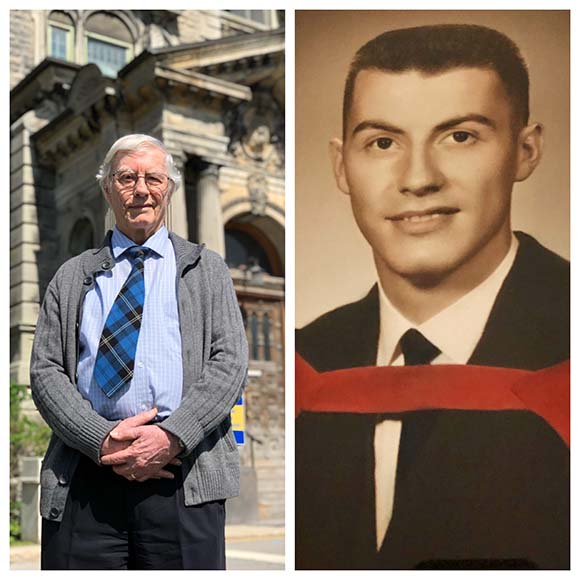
{"x": 436, "y": 132}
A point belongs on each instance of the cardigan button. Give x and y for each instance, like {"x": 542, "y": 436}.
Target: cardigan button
{"x": 88, "y": 281}
{"x": 106, "y": 265}
{"x": 54, "y": 513}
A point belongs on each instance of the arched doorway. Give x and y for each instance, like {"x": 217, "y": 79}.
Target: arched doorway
{"x": 255, "y": 255}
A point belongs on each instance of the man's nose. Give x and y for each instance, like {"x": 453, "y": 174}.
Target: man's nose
{"x": 141, "y": 187}
{"x": 420, "y": 174}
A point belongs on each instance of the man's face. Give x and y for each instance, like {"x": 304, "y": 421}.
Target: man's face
{"x": 429, "y": 163}
{"x": 139, "y": 209}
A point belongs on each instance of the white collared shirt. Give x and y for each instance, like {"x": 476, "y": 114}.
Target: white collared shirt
{"x": 158, "y": 374}
{"x": 469, "y": 314}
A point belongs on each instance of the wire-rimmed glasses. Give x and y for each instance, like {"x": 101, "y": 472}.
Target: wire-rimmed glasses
{"x": 155, "y": 182}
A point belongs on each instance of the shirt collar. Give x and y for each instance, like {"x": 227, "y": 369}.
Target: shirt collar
{"x": 469, "y": 313}
{"x": 157, "y": 242}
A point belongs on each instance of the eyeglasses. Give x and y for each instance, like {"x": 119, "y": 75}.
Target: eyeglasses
{"x": 155, "y": 182}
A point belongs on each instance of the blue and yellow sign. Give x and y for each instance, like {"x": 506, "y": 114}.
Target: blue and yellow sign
{"x": 239, "y": 421}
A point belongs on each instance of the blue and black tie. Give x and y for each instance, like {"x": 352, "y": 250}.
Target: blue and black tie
{"x": 116, "y": 355}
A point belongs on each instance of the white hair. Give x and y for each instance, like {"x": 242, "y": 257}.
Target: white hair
{"x": 130, "y": 143}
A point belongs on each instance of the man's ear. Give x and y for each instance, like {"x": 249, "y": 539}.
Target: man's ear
{"x": 106, "y": 191}
{"x": 106, "y": 194}
{"x": 171, "y": 191}
{"x": 337, "y": 160}
{"x": 530, "y": 147}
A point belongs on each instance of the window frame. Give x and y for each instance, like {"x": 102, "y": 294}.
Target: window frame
{"x": 70, "y": 44}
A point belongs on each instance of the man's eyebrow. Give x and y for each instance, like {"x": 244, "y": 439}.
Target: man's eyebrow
{"x": 473, "y": 117}
{"x": 378, "y": 125}
{"x": 445, "y": 125}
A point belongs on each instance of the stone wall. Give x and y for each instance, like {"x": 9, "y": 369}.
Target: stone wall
{"x": 198, "y": 25}
{"x": 264, "y": 397}
{"x": 22, "y": 34}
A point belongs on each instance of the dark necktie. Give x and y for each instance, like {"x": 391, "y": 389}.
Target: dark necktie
{"x": 116, "y": 355}
{"x": 417, "y": 350}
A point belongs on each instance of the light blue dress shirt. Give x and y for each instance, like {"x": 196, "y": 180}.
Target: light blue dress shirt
{"x": 158, "y": 373}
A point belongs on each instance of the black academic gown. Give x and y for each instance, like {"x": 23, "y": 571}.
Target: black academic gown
{"x": 474, "y": 489}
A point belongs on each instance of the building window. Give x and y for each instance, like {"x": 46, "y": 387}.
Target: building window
{"x": 244, "y": 316}
{"x": 254, "y": 340}
{"x": 58, "y": 42}
{"x": 266, "y": 334}
{"x": 110, "y": 57}
{"x": 264, "y": 17}
{"x": 60, "y": 36}
{"x": 108, "y": 43}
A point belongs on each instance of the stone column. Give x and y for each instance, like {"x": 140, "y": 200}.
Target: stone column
{"x": 79, "y": 39}
{"x": 30, "y": 217}
{"x": 176, "y": 218}
{"x": 211, "y": 224}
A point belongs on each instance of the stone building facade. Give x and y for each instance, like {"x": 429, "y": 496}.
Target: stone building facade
{"x": 210, "y": 85}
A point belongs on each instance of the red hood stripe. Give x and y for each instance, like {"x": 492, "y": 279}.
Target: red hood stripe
{"x": 399, "y": 389}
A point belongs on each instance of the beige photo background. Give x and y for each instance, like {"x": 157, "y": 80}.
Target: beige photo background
{"x": 333, "y": 261}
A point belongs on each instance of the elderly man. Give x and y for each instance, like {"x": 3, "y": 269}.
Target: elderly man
{"x": 436, "y": 131}
{"x": 139, "y": 355}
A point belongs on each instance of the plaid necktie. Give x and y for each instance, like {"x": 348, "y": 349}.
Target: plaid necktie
{"x": 116, "y": 354}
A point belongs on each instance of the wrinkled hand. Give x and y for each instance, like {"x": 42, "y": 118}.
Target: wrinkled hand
{"x": 143, "y": 450}
{"x": 112, "y": 444}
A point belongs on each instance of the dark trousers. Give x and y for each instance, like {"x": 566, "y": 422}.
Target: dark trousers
{"x": 110, "y": 523}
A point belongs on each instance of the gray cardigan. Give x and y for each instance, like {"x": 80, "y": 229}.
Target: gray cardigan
{"x": 215, "y": 357}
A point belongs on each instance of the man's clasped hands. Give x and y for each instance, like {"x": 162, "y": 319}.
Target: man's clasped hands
{"x": 138, "y": 451}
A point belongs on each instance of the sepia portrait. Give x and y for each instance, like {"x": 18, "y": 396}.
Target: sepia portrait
{"x": 432, "y": 290}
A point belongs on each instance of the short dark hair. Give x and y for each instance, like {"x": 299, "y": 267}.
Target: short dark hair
{"x": 439, "y": 48}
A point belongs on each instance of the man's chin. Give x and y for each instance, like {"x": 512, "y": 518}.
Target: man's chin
{"x": 140, "y": 228}
{"x": 143, "y": 220}
{"x": 422, "y": 274}
{"x": 426, "y": 279}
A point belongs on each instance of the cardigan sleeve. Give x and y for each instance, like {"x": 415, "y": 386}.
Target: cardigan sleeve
{"x": 67, "y": 413}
